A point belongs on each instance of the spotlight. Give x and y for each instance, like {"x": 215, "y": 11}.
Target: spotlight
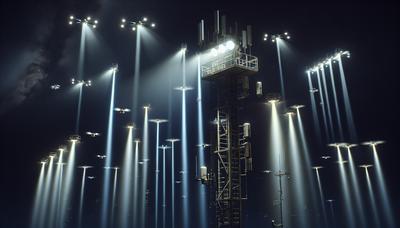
{"x": 114, "y": 68}
{"x": 122, "y": 26}
{"x": 183, "y": 88}
{"x": 342, "y": 162}
{"x": 153, "y": 25}
{"x": 130, "y": 126}
{"x": 70, "y": 22}
{"x": 373, "y": 143}
{"x": 123, "y": 20}
{"x": 75, "y": 138}
{"x": 273, "y": 100}
{"x": 204, "y": 145}
{"x": 337, "y": 145}
{"x": 348, "y": 146}
{"x": 230, "y": 45}
{"x": 214, "y": 52}
{"x": 88, "y": 18}
{"x": 158, "y": 120}
{"x": 297, "y": 106}
{"x": 122, "y": 110}
{"x": 71, "y": 17}
{"x": 289, "y": 114}
{"x": 221, "y": 49}
{"x": 366, "y": 166}
{"x": 144, "y": 19}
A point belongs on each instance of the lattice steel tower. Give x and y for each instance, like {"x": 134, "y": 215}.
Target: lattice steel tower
{"x": 227, "y": 63}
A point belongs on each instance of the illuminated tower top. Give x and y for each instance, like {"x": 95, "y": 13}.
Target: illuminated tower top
{"x": 228, "y": 52}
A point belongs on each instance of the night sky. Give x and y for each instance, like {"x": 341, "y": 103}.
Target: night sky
{"x": 38, "y": 48}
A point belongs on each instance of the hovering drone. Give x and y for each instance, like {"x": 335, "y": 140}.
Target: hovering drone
{"x": 101, "y": 156}
{"x": 91, "y": 177}
{"x": 326, "y": 157}
{"x": 93, "y": 134}
{"x": 82, "y": 82}
{"x": 122, "y": 110}
{"x": 55, "y": 87}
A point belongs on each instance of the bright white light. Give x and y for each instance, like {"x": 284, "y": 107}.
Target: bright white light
{"x": 89, "y": 18}
{"x": 133, "y": 28}
{"x": 71, "y": 17}
{"x": 273, "y": 41}
{"x": 145, "y": 19}
{"x": 123, "y": 20}
{"x": 94, "y": 26}
{"x": 153, "y": 25}
{"x": 221, "y": 48}
{"x": 265, "y": 39}
{"x": 122, "y": 26}
{"x": 70, "y": 22}
{"x": 96, "y": 21}
{"x": 214, "y": 52}
{"x": 265, "y": 35}
{"x": 288, "y": 37}
{"x": 286, "y": 33}
{"x": 230, "y": 45}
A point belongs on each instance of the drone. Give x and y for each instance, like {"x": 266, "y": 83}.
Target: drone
{"x": 122, "y": 110}
{"x": 205, "y": 145}
{"x": 326, "y": 157}
{"x": 82, "y": 82}
{"x": 342, "y": 162}
{"x": 55, "y": 87}
{"x": 91, "y": 177}
{"x": 101, "y": 156}
{"x": 93, "y": 134}
{"x": 267, "y": 171}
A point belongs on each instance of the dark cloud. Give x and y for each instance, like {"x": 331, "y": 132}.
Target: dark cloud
{"x": 34, "y": 71}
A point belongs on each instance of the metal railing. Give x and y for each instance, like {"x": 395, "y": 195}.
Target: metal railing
{"x": 230, "y": 60}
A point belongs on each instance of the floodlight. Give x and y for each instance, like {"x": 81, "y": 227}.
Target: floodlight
{"x": 230, "y": 45}
{"x": 372, "y": 143}
{"x": 214, "y": 52}
{"x": 297, "y": 106}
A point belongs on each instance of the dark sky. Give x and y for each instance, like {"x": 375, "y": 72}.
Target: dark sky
{"x": 38, "y": 48}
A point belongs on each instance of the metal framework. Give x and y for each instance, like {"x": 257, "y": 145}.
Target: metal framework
{"x": 235, "y": 61}
{"x": 232, "y": 156}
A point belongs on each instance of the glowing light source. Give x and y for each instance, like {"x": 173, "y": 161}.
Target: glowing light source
{"x": 345, "y": 186}
{"x": 386, "y": 206}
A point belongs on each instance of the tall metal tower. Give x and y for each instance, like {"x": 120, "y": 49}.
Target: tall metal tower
{"x": 227, "y": 62}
